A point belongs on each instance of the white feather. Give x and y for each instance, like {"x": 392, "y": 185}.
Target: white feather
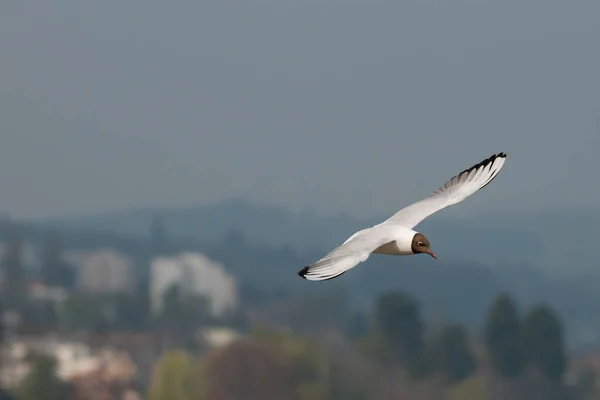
{"x": 452, "y": 192}
{"x": 398, "y": 228}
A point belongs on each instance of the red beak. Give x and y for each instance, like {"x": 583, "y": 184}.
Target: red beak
{"x": 432, "y": 254}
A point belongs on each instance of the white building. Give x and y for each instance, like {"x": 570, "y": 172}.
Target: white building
{"x": 39, "y": 291}
{"x": 73, "y": 359}
{"x": 219, "y": 337}
{"x": 193, "y": 273}
{"x": 103, "y": 271}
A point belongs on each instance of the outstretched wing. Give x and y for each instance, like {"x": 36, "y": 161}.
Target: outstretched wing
{"x": 351, "y": 253}
{"x": 454, "y": 191}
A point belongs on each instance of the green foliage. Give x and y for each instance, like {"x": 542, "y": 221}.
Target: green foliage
{"x": 399, "y": 319}
{"x": 176, "y": 376}
{"x": 179, "y": 307}
{"x": 42, "y": 379}
{"x": 91, "y": 311}
{"x": 84, "y": 311}
{"x": 317, "y": 372}
{"x": 309, "y": 363}
{"x": 183, "y": 314}
{"x": 450, "y": 353}
{"x": 502, "y": 335}
{"x": 373, "y": 345}
{"x": 543, "y": 342}
{"x": 313, "y": 391}
{"x": 469, "y": 389}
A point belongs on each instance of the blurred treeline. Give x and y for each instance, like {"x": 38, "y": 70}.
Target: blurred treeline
{"x": 394, "y": 354}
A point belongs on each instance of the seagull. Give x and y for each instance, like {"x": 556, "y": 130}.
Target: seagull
{"x": 395, "y": 236}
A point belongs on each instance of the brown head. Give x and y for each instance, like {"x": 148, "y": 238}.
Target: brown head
{"x": 420, "y": 244}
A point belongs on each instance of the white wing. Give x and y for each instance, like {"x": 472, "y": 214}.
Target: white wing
{"x": 351, "y": 253}
{"x": 454, "y": 191}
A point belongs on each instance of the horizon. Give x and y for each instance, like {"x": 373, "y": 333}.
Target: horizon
{"x": 444, "y": 215}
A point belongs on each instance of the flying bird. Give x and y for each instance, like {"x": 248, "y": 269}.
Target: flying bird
{"x": 395, "y": 236}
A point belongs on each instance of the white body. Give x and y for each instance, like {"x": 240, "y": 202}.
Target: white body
{"x": 400, "y": 239}
{"x": 395, "y": 235}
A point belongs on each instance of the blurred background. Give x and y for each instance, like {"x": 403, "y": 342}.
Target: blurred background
{"x": 167, "y": 168}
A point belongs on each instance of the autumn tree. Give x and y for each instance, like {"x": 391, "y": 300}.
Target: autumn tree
{"x": 502, "y": 335}
{"x": 250, "y": 370}
{"x": 319, "y": 372}
{"x": 176, "y": 376}
{"x": 543, "y": 342}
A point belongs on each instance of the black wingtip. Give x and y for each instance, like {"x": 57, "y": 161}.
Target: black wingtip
{"x": 485, "y": 162}
{"x": 303, "y": 272}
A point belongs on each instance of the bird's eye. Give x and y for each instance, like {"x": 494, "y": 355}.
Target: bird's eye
{"x": 420, "y": 244}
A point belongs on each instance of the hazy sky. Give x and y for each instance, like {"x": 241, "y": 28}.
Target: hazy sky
{"x": 356, "y": 105}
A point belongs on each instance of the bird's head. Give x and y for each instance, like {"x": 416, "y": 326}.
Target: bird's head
{"x": 420, "y": 244}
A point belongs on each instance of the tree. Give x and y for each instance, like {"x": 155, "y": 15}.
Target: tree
{"x": 543, "y": 342}
{"x": 15, "y": 279}
{"x": 451, "y": 354}
{"x": 42, "y": 382}
{"x": 319, "y": 371}
{"x": 472, "y": 388}
{"x": 84, "y": 311}
{"x": 399, "y": 319}
{"x": 183, "y": 313}
{"x": 176, "y": 377}
{"x": 502, "y": 336}
{"x": 247, "y": 369}
{"x": 131, "y": 311}
{"x": 309, "y": 364}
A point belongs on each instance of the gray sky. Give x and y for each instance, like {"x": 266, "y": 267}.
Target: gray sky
{"x": 360, "y": 105}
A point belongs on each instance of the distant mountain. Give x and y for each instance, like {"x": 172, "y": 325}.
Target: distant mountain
{"x": 556, "y": 240}
{"x": 261, "y": 223}
{"x": 264, "y": 246}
